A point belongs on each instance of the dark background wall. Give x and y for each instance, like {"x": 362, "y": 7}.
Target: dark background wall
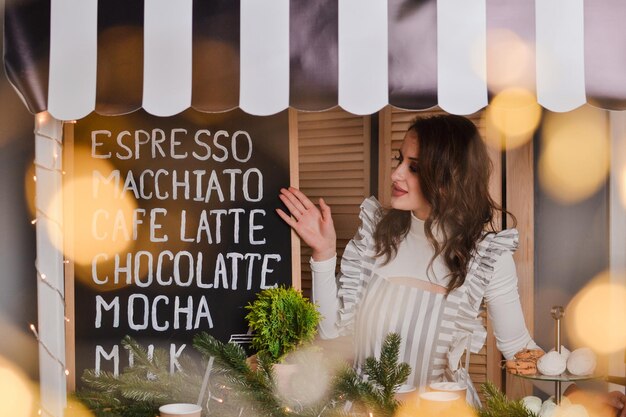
{"x": 18, "y": 294}
{"x": 571, "y": 247}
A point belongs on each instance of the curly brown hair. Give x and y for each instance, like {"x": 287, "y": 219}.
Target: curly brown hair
{"x": 453, "y": 170}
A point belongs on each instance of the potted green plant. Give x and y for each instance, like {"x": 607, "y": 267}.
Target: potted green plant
{"x": 282, "y": 319}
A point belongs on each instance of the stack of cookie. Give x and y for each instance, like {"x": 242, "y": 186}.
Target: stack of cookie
{"x": 525, "y": 362}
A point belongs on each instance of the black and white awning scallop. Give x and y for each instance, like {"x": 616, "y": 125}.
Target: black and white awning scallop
{"x": 72, "y": 57}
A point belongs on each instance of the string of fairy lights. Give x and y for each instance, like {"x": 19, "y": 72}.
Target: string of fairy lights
{"x": 49, "y": 171}
{"x": 42, "y": 215}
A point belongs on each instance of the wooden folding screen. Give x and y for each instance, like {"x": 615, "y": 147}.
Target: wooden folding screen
{"x": 334, "y": 158}
{"x": 334, "y": 163}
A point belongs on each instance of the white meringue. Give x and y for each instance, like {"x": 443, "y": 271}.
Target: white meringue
{"x": 581, "y": 362}
{"x": 575, "y": 410}
{"x": 552, "y": 363}
{"x": 532, "y": 403}
{"x": 564, "y": 352}
{"x": 548, "y": 409}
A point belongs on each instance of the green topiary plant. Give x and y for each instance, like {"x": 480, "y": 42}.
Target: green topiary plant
{"x": 282, "y": 319}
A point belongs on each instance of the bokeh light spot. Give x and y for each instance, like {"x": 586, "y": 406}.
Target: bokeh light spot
{"x": 16, "y": 395}
{"x": 514, "y": 114}
{"x": 596, "y": 315}
{"x": 100, "y": 211}
{"x": 574, "y": 159}
{"x": 622, "y": 186}
{"x": 510, "y": 61}
{"x": 77, "y": 409}
{"x": 29, "y": 188}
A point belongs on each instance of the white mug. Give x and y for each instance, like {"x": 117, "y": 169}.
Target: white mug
{"x": 180, "y": 410}
{"x": 455, "y": 387}
{"x": 435, "y": 402}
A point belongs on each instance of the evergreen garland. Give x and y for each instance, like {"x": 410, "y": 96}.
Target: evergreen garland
{"x": 376, "y": 394}
{"x": 139, "y": 390}
{"x": 282, "y": 320}
{"x": 235, "y": 388}
{"x": 498, "y": 405}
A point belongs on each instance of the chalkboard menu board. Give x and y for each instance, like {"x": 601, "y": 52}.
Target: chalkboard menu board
{"x": 174, "y": 228}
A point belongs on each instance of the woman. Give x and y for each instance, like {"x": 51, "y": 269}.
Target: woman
{"x": 423, "y": 267}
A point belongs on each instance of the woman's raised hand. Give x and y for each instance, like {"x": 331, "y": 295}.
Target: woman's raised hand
{"x": 314, "y": 226}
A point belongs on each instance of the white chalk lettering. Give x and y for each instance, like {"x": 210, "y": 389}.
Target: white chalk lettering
{"x": 131, "y": 311}
{"x": 234, "y": 270}
{"x": 251, "y": 257}
{"x": 137, "y": 271}
{"x": 177, "y": 184}
{"x": 207, "y": 148}
{"x": 265, "y": 270}
{"x": 138, "y": 142}
{"x": 98, "y": 178}
{"x": 185, "y": 269}
{"x": 120, "y": 142}
{"x": 159, "y": 269}
{"x": 155, "y": 226}
{"x": 248, "y": 143}
{"x": 203, "y": 313}
{"x": 233, "y": 181}
{"x": 174, "y": 355}
{"x": 177, "y": 277}
{"x": 213, "y": 184}
{"x": 101, "y": 304}
{"x": 95, "y": 144}
{"x": 187, "y": 311}
{"x": 223, "y": 148}
{"x": 253, "y": 226}
{"x": 158, "y": 143}
{"x": 114, "y": 354}
{"x": 220, "y": 272}
{"x": 94, "y": 269}
{"x": 196, "y": 185}
{"x": 155, "y": 309}
{"x": 175, "y": 143}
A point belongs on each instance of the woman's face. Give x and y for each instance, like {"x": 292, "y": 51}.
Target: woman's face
{"x": 406, "y": 193}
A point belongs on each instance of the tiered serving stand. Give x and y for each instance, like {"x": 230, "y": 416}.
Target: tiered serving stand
{"x": 557, "y": 314}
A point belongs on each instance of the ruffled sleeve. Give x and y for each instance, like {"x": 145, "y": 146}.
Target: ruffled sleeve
{"x": 356, "y": 265}
{"x": 470, "y": 295}
{"x": 483, "y": 266}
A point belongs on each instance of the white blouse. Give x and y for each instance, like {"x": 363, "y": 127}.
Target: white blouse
{"x": 412, "y": 262}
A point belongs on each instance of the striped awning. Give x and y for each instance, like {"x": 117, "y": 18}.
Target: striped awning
{"x": 72, "y": 57}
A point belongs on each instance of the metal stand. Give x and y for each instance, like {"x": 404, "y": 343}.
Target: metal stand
{"x": 557, "y": 314}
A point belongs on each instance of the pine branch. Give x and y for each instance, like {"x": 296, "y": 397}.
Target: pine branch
{"x": 385, "y": 375}
{"x": 498, "y": 405}
{"x": 139, "y": 390}
{"x": 255, "y": 387}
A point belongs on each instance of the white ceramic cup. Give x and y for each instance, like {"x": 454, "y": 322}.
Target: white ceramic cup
{"x": 435, "y": 402}
{"x": 180, "y": 410}
{"x": 454, "y": 387}
{"x": 406, "y": 393}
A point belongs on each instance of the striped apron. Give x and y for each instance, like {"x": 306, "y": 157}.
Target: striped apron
{"x": 418, "y": 311}
{"x": 435, "y": 328}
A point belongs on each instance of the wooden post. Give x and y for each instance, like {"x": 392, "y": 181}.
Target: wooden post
{"x": 50, "y": 289}
{"x": 520, "y": 201}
